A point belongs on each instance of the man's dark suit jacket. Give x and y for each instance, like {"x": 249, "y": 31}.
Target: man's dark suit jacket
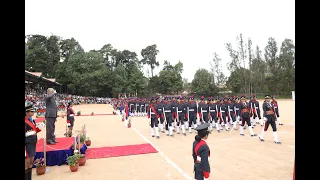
{"x": 51, "y": 106}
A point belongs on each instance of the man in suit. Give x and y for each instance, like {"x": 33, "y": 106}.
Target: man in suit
{"x": 51, "y": 116}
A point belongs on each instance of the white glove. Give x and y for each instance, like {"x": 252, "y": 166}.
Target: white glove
{"x": 68, "y": 124}
{"x": 41, "y": 125}
{"x": 265, "y": 119}
{"x": 30, "y": 133}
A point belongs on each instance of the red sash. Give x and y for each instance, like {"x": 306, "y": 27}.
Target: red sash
{"x": 154, "y": 111}
{"x": 26, "y": 120}
{"x": 202, "y": 142}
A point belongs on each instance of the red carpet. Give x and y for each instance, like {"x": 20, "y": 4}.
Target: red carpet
{"x": 63, "y": 144}
{"x": 116, "y": 151}
{"x": 39, "y": 119}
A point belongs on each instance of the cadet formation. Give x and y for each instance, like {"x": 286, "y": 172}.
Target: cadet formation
{"x": 180, "y": 115}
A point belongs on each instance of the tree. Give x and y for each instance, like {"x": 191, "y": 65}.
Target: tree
{"x": 216, "y": 68}
{"x": 170, "y": 78}
{"x": 202, "y": 83}
{"x": 287, "y": 66}
{"x": 149, "y": 57}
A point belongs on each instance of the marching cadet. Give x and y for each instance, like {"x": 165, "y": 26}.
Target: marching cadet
{"x": 231, "y": 114}
{"x": 153, "y": 118}
{"x": 203, "y": 110}
{"x": 237, "y": 109}
{"x": 245, "y": 116}
{"x": 223, "y": 112}
{"x": 212, "y": 108}
{"x": 276, "y": 109}
{"x": 251, "y": 112}
{"x": 147, "y": 106}
{"x": 31, "y": 138}
{"x": 160, "y": 104}
{"x": 180, "y": 116}
{"x": 256, "y": 110}
{"x": 137, "y": 108}
{"x": 131, "y": 107}
{"x": 270, "y": 119}
{"x": 167, "y": 116}
{"x": 142, "y": 107}
{"x": 185, "y": 113}
{"x": 192, "y": 113}
{"x": 174, "y": 115}
{"x": 70, "y": 119}
{"x": 201, "y": 153}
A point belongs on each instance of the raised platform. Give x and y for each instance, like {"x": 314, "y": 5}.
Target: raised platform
{"x": 57, "y": 154}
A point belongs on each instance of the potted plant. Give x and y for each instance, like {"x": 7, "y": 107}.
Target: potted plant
{"x": 88, "y": 141}
{"x": 78, "y": 113}
{"x": 40, "y": 166}
{"x": 81, "y": 158}
{"x": 73, "y": 163}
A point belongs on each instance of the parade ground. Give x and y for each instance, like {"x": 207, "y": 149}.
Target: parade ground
{"x": 233, "y": 157}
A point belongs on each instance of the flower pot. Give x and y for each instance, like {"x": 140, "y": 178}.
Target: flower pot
{"x": 88, "y": 142}
{"x": 77, "y": 146}
{"x": 74, "y": 168}
{"x": 82, "y": 161}
{"x": 40, "y": 170}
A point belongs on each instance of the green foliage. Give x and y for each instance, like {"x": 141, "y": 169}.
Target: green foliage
{"x": 72, "y": 160}
{"x": 203, "y": 83}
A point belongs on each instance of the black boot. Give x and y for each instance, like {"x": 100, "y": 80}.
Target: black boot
{"x": 30, "y": 174}
{"x": 26, "y": 174}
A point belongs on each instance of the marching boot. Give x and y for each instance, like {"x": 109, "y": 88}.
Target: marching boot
{"x": 217, "y": 127}
{"x": 220, "y": 126}
{"x": 275, "y": 137}
{"x": 195, "y": 126}
{"x": 189, "y": 128}
{"x": 178, "y": 129}
{"x": 235, "y": 125}
{"x": 171, "y": 130}
{"x": 152, "y": 132}
{"x": 183, "y": 130}
{"x": 167, "y": 132}
{"x": 241, "y": 131}
{"x": 26, "y": 174}
{"x": 210, "y": 127}
{"x": 227, "y": 126}
{"x": 278, "y": 119}
{"x": 251, "y": 131}
{"x": 157, "y": 132}
{"x": 262, "y": 135}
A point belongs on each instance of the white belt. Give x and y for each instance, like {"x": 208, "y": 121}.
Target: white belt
{"x": 167, "y": 111}
{"x": 199, "y": 158}
{"x": 159, "y": 109}
{"x": 212, "y": 110}
{"x": 237, "y": 109}
{"x": 179, "y": 111}
{"x": 222, "y": 111}
{"x": 30, "y": 133}
{"x": 152, "y": 113}
{"x": 142, "y": 105}
{"x": 204, "y": 110}
{"x": 191, "y": 109}
{"x": 231, "y": 110}
{"x": 71, "y": 115}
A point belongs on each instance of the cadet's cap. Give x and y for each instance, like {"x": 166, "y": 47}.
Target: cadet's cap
{"x": 29, "y": 108}
{"x": 254, "y": 96}
{"x": 267, "y": 97}
{"x": 202, "y": 127}
{"x": 202, "y": 98}
{"x": 210, "y": 98}
{"x": 191, "y": 98}
{"x": 243, "y": 97}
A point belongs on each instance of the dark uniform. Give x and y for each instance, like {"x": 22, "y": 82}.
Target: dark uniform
{"x": 137, "y": 108}
{"x": 160, "y": 112}
{"x": 167, "y": 116}
{"x": 256, "y": 110}
{"x": 276, "y": 109}
{"x": 245, "y": 115}
{"x": 147, "y": 106}
{"x": 191, "y": 113}
{"x": 231, "y": 113}
{"x": 237, "y": 108}
{"x": 270, "y": 119}
{"x": 31, "y": 140}
{"x": 174, "y": 113}
{"x": 131, "y": 107}
{"x": 142, "y": 108}
{"x": 179, "y": 111}
{"x": 153, "y": 116}
{"x": 70, "y": 120}
{"x": 201, "y": 153}
{"x": 203, "y": 111}
{"x": 223, "y": 109}
{"x": 213, "y": 114}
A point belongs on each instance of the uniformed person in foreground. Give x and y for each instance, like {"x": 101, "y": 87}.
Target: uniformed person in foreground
{"x": 201, "y": 153}
{"x": 31, "y": 138}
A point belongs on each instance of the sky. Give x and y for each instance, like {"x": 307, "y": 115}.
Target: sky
{"x": 185, "y": 30}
